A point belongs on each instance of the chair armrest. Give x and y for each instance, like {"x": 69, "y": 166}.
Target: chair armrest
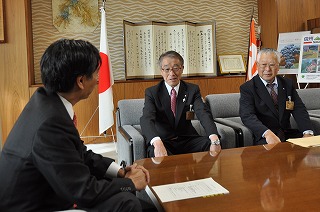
{"x": 130, "y": 144}
{"x": 229, "y": 137}
{"x": 314, "y": 113}
{"x": 315, "y": 121}
{"x": 245, "y": 134}
{"x": 126, "y": 136}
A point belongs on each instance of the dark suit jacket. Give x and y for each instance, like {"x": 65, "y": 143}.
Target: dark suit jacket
{"x": 258, "y": 113}
{"x": 158, "y": 119}
{"x": 44, "y": 165}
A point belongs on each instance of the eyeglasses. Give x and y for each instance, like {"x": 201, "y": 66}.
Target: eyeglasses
{"x": 270, "y": 65}
{"x": 175, "y": 69}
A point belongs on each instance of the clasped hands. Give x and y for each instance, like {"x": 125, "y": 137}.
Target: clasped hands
{"x": 138, "y": 174}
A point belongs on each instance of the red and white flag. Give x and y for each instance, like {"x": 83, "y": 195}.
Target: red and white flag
{"x": 253, "y": 51}
{"x": 105, "y": 80}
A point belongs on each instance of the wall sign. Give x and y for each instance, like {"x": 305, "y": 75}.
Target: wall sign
{"x": 309, "y": 68}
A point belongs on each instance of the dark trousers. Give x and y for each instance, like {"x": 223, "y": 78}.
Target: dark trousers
{"x": 183, "y": 145}
{"x": 124, "y": 201}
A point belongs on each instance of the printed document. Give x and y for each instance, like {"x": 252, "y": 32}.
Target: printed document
{"x": 313, "y": 141}
{"x": 190, "y": 189}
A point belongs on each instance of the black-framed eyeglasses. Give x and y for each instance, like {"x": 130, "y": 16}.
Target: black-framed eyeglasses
{"x": 175, "y": 69}
{"x": 270, "y": 65}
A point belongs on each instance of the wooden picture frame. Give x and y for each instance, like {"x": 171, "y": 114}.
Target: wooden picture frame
{"x": 231, "y": 64}
{"x": 2, "y": 31}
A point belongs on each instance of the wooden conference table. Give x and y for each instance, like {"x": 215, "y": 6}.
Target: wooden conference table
{"x": 284, "y": 177}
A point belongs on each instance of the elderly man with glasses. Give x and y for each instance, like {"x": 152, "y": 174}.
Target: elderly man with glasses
{"x": 168, "y": 110}
{"x": 267, "y": 102}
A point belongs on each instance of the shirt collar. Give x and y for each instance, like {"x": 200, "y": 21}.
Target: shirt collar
{"x": 274, "y": 82}
{"x": 169, "y": 87}
{"x": 68, "y": 106}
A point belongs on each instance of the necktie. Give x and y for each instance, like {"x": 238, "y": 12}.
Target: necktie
{"x": 274, "y": 97}
{"x": 273, "y": 94}
{"x": 75, "y": 121}
{"x": 173, "y": 101}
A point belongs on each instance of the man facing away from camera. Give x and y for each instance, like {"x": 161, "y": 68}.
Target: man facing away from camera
{"x": 44, "y": 164}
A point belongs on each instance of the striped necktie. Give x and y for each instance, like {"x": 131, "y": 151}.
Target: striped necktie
{"x": 273, "y": 94}
{"x": 173, "y": 101}
{"x": 274, "y": 97}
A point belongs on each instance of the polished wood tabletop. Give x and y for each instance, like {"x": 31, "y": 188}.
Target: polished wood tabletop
{"x": 284, "y": 177}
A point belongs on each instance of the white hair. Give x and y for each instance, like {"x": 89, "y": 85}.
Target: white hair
{"x": 269, "y": 51}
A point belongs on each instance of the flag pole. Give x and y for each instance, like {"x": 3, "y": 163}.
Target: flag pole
{"x": 106, "y": 106}
{"x": 249, "y": 43}
{"x": 90, "y": 119}
{"x": 105, "y": 132}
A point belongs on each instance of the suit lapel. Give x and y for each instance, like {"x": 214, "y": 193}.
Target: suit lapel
{"x": 265, "y": 95}
{"x": 166, "y": 102}
{"x": 181, "y": 101}
{"x": 281, "y": 95}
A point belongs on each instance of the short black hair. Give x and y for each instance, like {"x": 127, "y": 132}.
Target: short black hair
{"x": 66, "y": 59}
{"x": 171, "y": 54}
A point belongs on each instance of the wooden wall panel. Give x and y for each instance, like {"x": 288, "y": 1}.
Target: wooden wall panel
{"x": 268, "y": 19}
{"x": 312, "y": 24}
{"x": 13, "y": 66}
{"x": 118, "y": 92}
{"x": 290, "y": 15}
{"x": 32, "y": 90}
{"x": 87, "y": 110}
{"x": 293, "y": 14}
{"x": 202, "y": 85}
{"x": 135, "y": 90}
{"x": 225, "y": 84}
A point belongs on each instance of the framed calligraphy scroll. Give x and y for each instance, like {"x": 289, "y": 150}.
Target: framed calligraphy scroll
{"x": 231, "y": 64}
{"x": 145, "y": 42}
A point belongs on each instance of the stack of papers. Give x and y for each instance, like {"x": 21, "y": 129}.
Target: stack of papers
{"x": 313, "y": 141}
{"x": 190, "y": 189}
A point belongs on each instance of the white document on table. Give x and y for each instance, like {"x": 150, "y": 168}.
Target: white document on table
{"x": 312, "y": 141}
{"x": 190, "y": 189}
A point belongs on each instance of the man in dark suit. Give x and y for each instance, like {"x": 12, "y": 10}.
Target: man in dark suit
{"x": 168, "y": 110}
{"x": 267, "y": 102}
{"x": 44, "y": 164}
